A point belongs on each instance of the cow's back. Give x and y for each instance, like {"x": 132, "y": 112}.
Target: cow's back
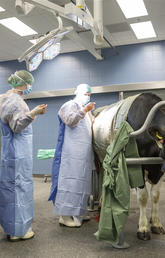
{"x": 107, "y": 121}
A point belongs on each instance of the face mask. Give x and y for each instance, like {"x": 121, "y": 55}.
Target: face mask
{"x": 85, "y": 99}
{"x": 28, "y": 90}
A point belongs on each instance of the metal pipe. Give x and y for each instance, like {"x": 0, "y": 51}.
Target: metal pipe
{"x": 148, "y": 119}
{"x": 98, "y": 20}
{"x": 146, "y": 160}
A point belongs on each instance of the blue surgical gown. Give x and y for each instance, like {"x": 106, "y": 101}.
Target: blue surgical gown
{"x": 16, "y": 183}
{"x": 73, "y": 160}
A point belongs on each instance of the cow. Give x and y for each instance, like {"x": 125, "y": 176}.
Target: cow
{"x": 150, "y": 144}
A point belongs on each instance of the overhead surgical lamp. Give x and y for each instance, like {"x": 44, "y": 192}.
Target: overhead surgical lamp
{"x": 46, "y": 48}
{"x": 44, "y": 53}
{"x": 76, "y": 11}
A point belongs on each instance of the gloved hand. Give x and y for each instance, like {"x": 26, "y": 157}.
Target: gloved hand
{"x": 38, "y": 110}
{"x": 90, "y": 106}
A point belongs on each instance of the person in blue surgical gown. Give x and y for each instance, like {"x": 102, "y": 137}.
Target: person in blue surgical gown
{"x": 16, "y": 183}
{"x": 73, "y": 160}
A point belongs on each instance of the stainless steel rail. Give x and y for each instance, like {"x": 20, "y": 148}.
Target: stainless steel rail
{"x": 142, "y": 161}
{"x": 140, "y": 86}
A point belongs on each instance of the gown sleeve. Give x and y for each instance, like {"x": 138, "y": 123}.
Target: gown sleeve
{"x": 14, "y": 112}
{"x": 71, "y": 113}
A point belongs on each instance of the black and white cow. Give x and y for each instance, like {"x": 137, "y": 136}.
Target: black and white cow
{"x": 150, "y": 144}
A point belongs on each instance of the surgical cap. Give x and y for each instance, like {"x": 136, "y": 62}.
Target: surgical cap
{"x": 20, "y": 78}
{"x": 83, "y": 89}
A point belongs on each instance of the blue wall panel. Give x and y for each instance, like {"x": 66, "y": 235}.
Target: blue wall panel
{"x": 133, "y": 63}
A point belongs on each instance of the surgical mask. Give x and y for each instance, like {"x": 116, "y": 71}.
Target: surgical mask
{"x": 28, "y": 90}
{"x": 85, "y": 99}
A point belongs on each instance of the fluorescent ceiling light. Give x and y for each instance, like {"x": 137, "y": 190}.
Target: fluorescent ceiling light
{"x": 143, "y": 30}
{"x": 2, "y": 9}
{"x": 132, "y": 8}
{"x": 17, "y": 26}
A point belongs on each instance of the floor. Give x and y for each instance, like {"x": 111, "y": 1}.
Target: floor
{"x": 53, "y": 241}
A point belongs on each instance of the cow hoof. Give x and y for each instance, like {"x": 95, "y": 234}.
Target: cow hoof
{"x": 144, "y": 236}
{"x": 158, "y": 230}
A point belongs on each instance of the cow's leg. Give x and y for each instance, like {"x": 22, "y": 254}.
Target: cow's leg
{"x": 156, "y": 226}
{"x": 143, "y": 229}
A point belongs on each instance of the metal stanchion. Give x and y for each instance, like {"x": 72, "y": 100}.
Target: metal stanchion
{"x": 93, "y": 198}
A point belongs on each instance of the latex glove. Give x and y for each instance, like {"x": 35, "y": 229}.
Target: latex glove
{"x": 38, "y": 110}
{"x": 90, "y": 106}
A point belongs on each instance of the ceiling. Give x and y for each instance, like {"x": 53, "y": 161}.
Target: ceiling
{"x": 118, "y": 30}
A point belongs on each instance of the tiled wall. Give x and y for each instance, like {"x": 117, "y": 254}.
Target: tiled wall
{"x": 133, "y": 63}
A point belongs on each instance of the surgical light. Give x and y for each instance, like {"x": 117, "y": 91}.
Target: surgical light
{"x": 49, "y": 51}
{"x": 34, "y": 62}
{"x": 77, "y": 11}
{"x": 46, "y": 48}
{"x": 52, "y": 51}
{"x": 56, "y": 33}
